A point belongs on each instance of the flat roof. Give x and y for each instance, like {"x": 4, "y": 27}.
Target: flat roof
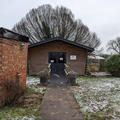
{"x": 63, "y": 40}
{"x": 5, "y": 33}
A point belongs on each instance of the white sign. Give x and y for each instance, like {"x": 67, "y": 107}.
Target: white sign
{"x": 52, "y": 61}
{"x": 61, "y": 58}
{"x": 72, "y": 57}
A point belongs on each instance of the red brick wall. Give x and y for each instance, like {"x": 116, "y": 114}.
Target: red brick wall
{"x": 13, "y": 60}
{"x": 38, "y": 56}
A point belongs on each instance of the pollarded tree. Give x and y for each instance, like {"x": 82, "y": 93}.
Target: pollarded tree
{"x": 47, "y": 22}
{"x": 114, "y": 45}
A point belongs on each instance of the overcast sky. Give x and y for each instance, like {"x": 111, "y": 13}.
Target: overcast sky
{"x": 101, "y": 16}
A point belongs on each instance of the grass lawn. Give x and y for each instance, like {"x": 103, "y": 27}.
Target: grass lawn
{"x": 98, "y": 97}
{"x": 22, "y": 113}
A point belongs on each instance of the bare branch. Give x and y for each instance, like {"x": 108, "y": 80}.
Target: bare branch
{"x": 45, "y": 22}
{"x": 114, "y": 45}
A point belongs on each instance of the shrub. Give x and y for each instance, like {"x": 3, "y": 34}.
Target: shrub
{"x": 44, "y": 76}
{"x": 44, "y": 73}
{"x": 12, "y": 91}
{"x": 112, "y": 65}
{"x": 71, "y": 77}
{"x": 71, "y": 74}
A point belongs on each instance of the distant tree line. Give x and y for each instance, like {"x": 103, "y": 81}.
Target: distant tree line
{"x": 47, "y": 22}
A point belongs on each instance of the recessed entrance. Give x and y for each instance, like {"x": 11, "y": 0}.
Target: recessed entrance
{"x": 57, "y": 57}
{"x": 57, "y": 60}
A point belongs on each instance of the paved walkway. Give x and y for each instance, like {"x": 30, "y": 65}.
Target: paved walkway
{"x": 59, "y": 104}
{"x": 57, "y": 81}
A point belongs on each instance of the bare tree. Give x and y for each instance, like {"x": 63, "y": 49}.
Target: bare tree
{"x": 114, "y": 45}
{"x": 47, "y": 22}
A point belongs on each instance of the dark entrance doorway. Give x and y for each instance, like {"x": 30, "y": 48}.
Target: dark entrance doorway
{"x": 57, "y": 57}
{"x": 57, "y": 60}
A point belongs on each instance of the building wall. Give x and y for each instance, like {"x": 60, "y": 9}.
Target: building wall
{"x": 13, "y": 60}
{"x": 38, "y": 57}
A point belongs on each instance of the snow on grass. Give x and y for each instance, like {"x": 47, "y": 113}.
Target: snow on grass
{"x": 28, "y": 118}
{"x": 99, "y": 95}
{"x": 34, "y": 82}
{"x": 31, "y": 80}
{"x": 19, "y": 113}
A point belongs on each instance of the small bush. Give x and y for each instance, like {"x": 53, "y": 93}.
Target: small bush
{"x": 67, "y": 68}
{"x": 44, "y": 76}
{"x": 71, "y": 77}
{"x": 112, "y": 65}
{"x": 44, "y": 73}
{"x": 71, "y": 74}
{"x": 12, "y": 90}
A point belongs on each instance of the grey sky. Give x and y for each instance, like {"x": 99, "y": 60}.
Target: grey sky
{"x": 101, "y": 16}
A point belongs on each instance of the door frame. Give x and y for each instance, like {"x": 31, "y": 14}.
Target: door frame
{"x": 57, "y": 53}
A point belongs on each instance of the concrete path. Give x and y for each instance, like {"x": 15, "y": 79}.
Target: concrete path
{"x": 59, "y": 104}
{"x": 57, "y": 80}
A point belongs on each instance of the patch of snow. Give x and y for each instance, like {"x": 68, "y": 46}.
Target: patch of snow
{"x": 27, "y": 118}
{"x": 33, "y": 82}
{"x": 100, "y": 74}
{"x": 98, "y": 95}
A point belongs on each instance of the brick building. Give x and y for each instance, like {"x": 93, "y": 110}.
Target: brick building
{"x": 13, "y": 56}
{"x": 57, "y": 52}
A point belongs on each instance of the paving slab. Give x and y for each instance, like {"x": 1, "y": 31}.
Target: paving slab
{"x": 59, "y": 104}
